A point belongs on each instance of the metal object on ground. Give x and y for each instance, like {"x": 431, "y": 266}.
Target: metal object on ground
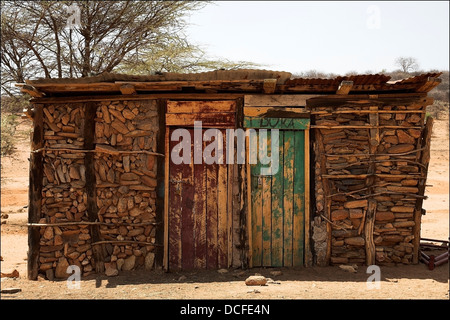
{"x": 433, "y": 261}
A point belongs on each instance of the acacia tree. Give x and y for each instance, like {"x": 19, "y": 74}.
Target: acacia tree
{"x": 407, "y": 64}
{"x": 56, "y": 39}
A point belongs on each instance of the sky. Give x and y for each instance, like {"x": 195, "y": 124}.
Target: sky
{"x": 327, "y": 36}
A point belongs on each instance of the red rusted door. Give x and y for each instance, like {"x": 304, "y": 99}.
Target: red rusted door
{"x": 198, "y": 201}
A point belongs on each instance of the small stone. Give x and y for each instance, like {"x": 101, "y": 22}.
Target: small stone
{"x": 182, "y": 278}
{"x": 222, "y": 271}
{"x": 111, "y": 269}
{"x": 120, "y": 263}
{"x": 129, "y": 263}
{"x": 149, "y": 261}
{"x": 61, "y": 268}
{"x": 256, "y": 281}
{"x": 348, "y": 268}
{"x": 48, "y": 233}
{"x": 276, "y": 273}
{"x": 49, "y": 274}
{"x": 355, "y": 241}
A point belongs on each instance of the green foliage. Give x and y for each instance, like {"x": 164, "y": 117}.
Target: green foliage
{"x": 8, "y": 123}
{"x": 177, "y": 56}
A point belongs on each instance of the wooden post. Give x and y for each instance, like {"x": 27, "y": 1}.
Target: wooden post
{"x": 425, "y": 159}
{"x": 368, "y": 232}
{"x": 92, "y": 210}
{"x": 160, "y": 180}
{"x": 326, "y": 191}
{"x": 35, "y": 192}
{"x": 166, "y": 201}
{"x": 307, "y": 201}
{"x": 374, "y": 141}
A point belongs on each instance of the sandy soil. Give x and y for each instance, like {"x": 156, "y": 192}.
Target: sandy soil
{"x": 400, "y": 282}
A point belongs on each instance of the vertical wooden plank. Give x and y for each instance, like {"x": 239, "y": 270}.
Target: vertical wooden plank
{"x": 288, "y": 199}
{"x": 326, "y": 190}
{"x": 256, "y": 213}
{"x": 368, "y": 230}
{"x": 230, "y": 238}
{"x": 35, "y": 192}
{"x": 187, "y": 218}
{"x": 175, "y": 190}
{"x": 299, "y": 199}
{"x": 306, "y": 224}
{"x": 222, "y": 216}
{"x": 277, "y": 207}
{"x": 199, "y": 213}
{"x": 249, "y": 204}
{"x": 267, "y": 213}
{"x": 211, "y": 216}
{"x": 425, "y": 160}
{"x": 92, "y": 209}
{"x": 166, "y": 200}
{"x": 161, "y": 184}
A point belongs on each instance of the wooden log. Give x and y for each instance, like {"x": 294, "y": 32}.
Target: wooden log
{"x": 35, "y": 193}
{"x": 424, "y": 159}
{"x": 92, "y": 209}
{"x": 368, "y": 232}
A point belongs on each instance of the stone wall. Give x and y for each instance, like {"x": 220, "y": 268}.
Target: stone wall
{"x": 125, "y": 181}
{"x": 354, "y": 165}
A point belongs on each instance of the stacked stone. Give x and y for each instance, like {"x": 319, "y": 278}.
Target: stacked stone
{"x": 346, "y": 147}
{"x": 64, "y": 198}
{"x": 126, "y": 182}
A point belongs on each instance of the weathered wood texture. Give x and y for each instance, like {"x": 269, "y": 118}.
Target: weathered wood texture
{"x": 200, "y": 197}
{"x": 278, "y": 200}
{"x": 199, "y": 212}
{"x": 34, "y": 193}
{"x": 367, "y": 180}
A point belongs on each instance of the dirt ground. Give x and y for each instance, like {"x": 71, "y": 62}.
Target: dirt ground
{"x": 397, "y": 282}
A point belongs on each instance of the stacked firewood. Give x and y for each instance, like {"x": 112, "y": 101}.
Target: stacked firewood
{"x": 390, "y": 176}
{"x": 126, "y": 182}
{"x": 125, "y": 192}
{"x": 64, "y": 199}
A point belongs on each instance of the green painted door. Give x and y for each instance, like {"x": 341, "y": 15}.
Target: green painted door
{"x": 278, "y": 199}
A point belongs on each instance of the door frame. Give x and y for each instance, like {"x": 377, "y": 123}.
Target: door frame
{"x": 253, "y": 122}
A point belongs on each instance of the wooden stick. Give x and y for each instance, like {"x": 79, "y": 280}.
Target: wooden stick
{"x": 365, "y": 175}
{"x": 99, "y": 151}
{"x": 307, "y": 200}
{"x": 375, "y": 161}
{"x": 125, "y": 241}
{"x": 332, "y": 223}
{"x": 370, "y": 154}
{"x": 59, "y": 224}
{"x": 367, "y": 111}
{"x": 363, "y": 127}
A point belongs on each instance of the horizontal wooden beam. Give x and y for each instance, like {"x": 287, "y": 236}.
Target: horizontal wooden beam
{"x": 209, "y": 120}
{"x": 32, "y": 91}
{"x": 178, "y": 96}
{"x": 274, "y": 112}
{"x": 277, "y": 100}
{"x": 201, "y": 106}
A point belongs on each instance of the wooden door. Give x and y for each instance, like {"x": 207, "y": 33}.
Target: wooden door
{"x": 198, "y": 206}
{"x": 279, "y": 201}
